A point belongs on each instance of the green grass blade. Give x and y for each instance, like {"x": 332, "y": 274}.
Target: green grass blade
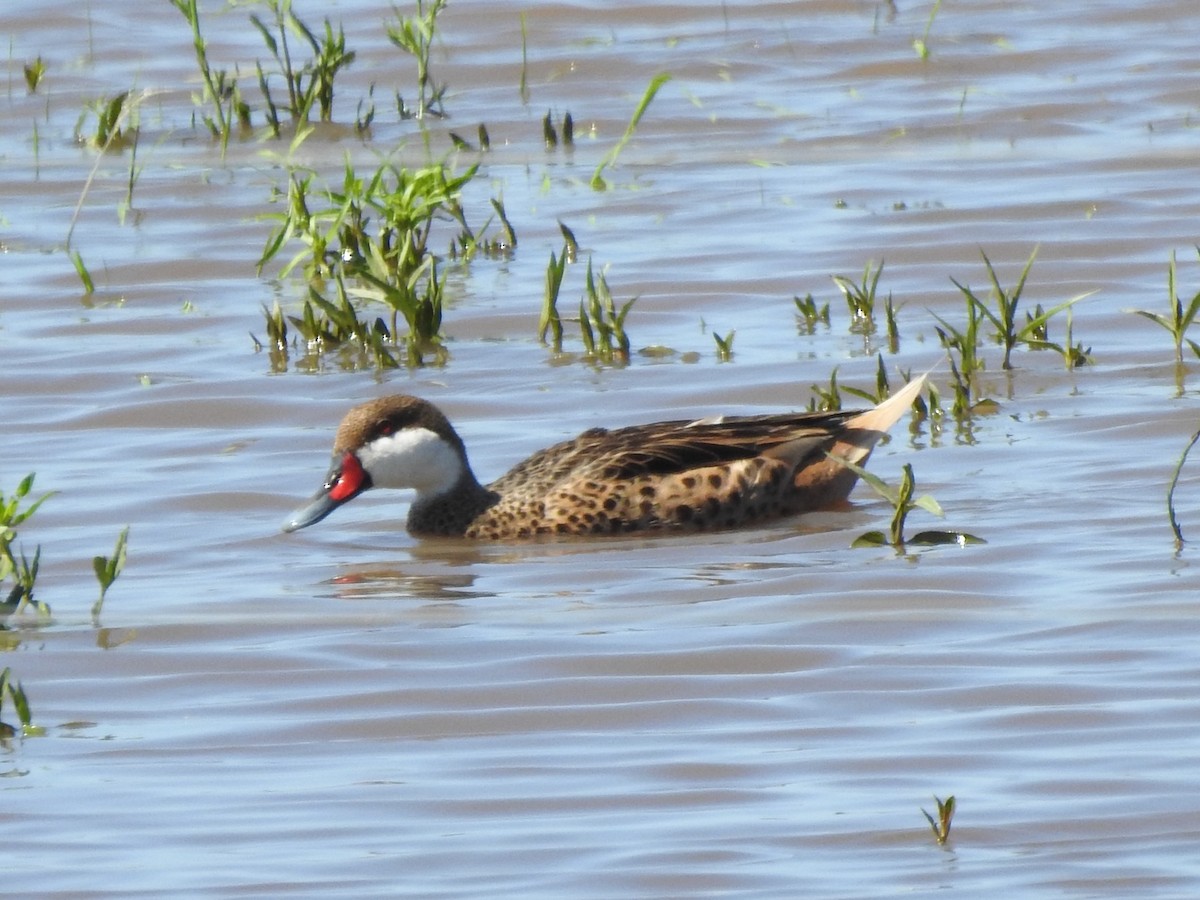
{"x": 598, "y": 182}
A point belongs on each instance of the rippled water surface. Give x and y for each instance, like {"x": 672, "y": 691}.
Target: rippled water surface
{"x": 348, "y": 711}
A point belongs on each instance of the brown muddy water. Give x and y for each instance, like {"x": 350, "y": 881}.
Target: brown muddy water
{"x": 349, "y": 712}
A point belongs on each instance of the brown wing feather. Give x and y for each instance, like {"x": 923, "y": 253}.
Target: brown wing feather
{"x": 673, "y": 474}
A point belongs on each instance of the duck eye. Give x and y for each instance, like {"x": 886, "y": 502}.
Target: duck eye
{"x": 385, "y": 429}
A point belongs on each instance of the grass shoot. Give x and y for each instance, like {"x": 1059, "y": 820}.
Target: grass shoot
{"x": 12, "y": 691}
{"x": 945, "y": 815}
{"x": 809, "y": 315}
{"x": 598, "y": 182}
{"x": 921, "y": 44}
{"x": 860, "y": 298}
{"x": 34, "y": 73}
{"x": 107, "y": 569}
{"x": 414, "y": 35}
{"x": 904, "y": 502}
{"x": 1171, "y": 516}
{"x": 724, "y": 346}
{"x": 23, "y": 572}
{"x": 1179, "y": 318}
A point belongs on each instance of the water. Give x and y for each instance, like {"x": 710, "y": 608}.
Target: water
{"x": 350, "y": 711}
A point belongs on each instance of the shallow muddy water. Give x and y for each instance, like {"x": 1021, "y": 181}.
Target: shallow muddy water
{"x": 348, "y": 711}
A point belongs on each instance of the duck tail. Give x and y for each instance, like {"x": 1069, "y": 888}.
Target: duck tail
{"x": 888, "y": 413}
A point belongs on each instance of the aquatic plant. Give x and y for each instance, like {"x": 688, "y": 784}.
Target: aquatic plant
{"x": 112, "y": 119}
{"x": 921, "y": 44}
{"x": 372, "y": 235}
{"x": 221, "y": 92}
{"x": 601, "y": 324}
{"x": 81, "y": 269}
{"x": 965, "y": 369}
{"x": 827, "y": 399}
{"x": 309, "y": 84}
{"x": 414, "y": 35}
{"x": 809, "y": 315}
{"x": 941, "y": 825}
{"x": 903, "y": 502}
{"x": 882, "y": 389}
{"x": 12, "y": 691}
{"x": 1009, "y": 332}
{"x": 20, "y": 569}
{"x": 550, "y": 135}
{"x": 550, "y": 322}
{"x": 1179, "y": 318}
{"x": 598, "y": 182}
{"x": 108, "y": 568}
{"x": 724, "y": 346}
{"x": 523, "y": 87}
{"x": 1171, "y": 516}
{"x": 34, "y": 72}
{"x": 860, "y": 298}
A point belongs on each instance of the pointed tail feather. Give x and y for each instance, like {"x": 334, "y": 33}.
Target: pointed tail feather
{"x": 828, "y": 482}
{"x": 890, "y": 411}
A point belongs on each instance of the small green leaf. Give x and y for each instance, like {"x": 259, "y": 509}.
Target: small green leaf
{"x": 927, "y": 503}
{"x": 870, "y": 539}
{"x": 942, "y": 538}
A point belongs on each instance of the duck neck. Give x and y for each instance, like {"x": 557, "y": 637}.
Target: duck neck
{"x": 450, "y": 512}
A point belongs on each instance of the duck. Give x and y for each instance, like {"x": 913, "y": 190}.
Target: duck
{"x": 682, "y": 476}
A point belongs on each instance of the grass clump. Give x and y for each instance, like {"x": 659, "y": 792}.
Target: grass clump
{"x": 1178, "y": 318}
{"x": 414, "y": 35}
{"x": 19, "y": 567}
{"x": 809, "y": 315}
{"x": 724, "y": 346}
{"x": 601, "y": 321}
{"x": 310, "y": 84}
{"x": 860, "y": 298}
{"x": 1002, "y": 314}
{"x": 371, "y": 237}
{"x": 221, "y": 94}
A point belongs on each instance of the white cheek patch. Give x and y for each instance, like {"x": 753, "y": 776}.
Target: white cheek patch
{"x": 413, "y": 458}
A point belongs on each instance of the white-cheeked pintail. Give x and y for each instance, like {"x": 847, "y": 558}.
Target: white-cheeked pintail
{"x": 678, "y": 476}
